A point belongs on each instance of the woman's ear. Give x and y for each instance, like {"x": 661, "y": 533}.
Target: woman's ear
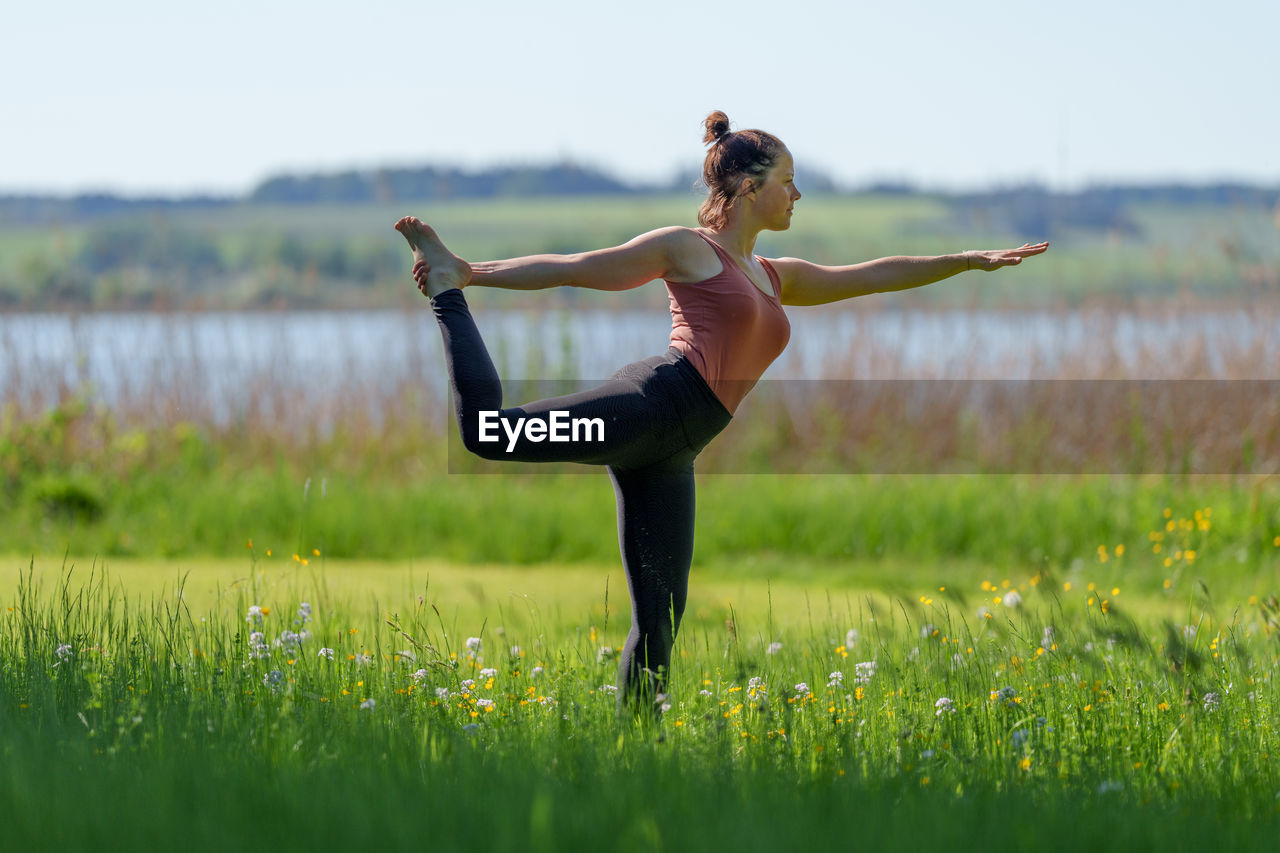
{"x": 747, "y": 187}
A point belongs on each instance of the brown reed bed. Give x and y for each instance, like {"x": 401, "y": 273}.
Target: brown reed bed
{"x": 1190, "y": 402}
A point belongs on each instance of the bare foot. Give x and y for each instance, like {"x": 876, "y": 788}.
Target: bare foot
{"x": 435, "y": 268}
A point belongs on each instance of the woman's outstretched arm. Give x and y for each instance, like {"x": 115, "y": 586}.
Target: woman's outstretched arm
{"x": 805, "y": 283}
{"x": 647, "y": 257}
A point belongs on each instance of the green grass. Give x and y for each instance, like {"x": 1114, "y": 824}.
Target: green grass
{"x": 1213, "y": 251}
{"x": 156, "y": 720}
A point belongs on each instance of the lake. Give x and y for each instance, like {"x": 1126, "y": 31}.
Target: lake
{"x": 218, "y": 362}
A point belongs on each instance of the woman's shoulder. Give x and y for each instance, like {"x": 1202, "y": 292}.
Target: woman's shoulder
{"x": 675, "y": 235}
{"x": 692, "y": 255}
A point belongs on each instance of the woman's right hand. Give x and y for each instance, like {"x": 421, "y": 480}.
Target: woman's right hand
{"x": 420, "y": 270}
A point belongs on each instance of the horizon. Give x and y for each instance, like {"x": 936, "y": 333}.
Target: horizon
{"x": 660, "y": 186}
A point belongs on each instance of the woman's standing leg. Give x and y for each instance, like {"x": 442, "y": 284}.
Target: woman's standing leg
{"x": 655, "y": 531}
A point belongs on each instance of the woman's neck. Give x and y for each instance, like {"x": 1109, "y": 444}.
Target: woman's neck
{"x": 738, "y": 238}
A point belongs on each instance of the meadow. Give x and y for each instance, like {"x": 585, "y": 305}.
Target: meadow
{"x": 315, "y": 623}
{"x": 297, "y": 702}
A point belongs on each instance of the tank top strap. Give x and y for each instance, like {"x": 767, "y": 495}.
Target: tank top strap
{"x": 773, "y": 277}
{"x": 730, "y": 264}
{"x": 721, "y": 253}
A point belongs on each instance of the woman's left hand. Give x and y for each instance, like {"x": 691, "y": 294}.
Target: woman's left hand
{"x": 980, "y": 260}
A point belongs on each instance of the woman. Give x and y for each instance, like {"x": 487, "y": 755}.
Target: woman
{"x": 649, "y": 421}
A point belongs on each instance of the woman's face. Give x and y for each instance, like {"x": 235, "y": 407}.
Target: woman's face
{"x": 776, "y": 196}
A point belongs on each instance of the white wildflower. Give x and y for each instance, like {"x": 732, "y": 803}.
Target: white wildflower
{"x": 468, "y": 685}
{"x": 536, "y": 671}
{"x": 756, "y": 683}
{"x": 273, "y": 678}
{"x": 326, "y": 653}
{"x": 473, "y": 644}
{"x": 1110, "y": 786}
{"x": 851, "y": 638}
{"x": 704, "y": 692}
{"x": 364, "y": 659}
{"x": 442, "y": 693}
{"x": 289, "y": 640}
{"x": 1048, "y": 638}
{"x": 928, "y": 630}
{"x": 604, "y": 653}
{"x": 927, "y": 754}
{"x": 863, "y": 672}
{"x": 516, "y": 651}
{"x": 419, "y": 676}
{"x": 1211, "y": 701}
{"x": 489, "y": 672}
{"x": 304, "y": 614}
{"x": 802, "y": 689}
{"x": 484, "y": 703}
{"x": 944, "y": 706}
{"x": 664, "y": 707}
{"x": 255, "y": 614}
{"x": 258, "y": 648}
{"x": 608, "y": 688}
{"x": 63, "y": 651}
{"x": 1005, "y": 695}
{"x": 1012, "y": 598}
{"x": 773, "y": 649}
{"x": 1188, "y": 632}
{"x": 368, "y": 705}
{"x": 835, "y": 679}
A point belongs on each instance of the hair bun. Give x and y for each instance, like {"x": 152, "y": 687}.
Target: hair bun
{"x": 717, "y": 125}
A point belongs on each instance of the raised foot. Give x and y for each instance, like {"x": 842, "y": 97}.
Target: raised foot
{"x": 435, "y": 268}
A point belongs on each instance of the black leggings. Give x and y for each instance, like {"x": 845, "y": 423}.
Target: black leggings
{"x": 657, "y": 414}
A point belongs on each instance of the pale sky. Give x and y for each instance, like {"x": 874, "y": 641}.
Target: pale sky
{"x": 153, "y": 96}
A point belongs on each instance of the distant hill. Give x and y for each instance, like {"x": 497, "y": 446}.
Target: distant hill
{"x": 39, "y": 210}
{"x": 1028, "y": 209}
{"x": 432, "y": 183}
{"x": 1037, "y": 212}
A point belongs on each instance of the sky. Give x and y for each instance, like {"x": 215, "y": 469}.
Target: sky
{"x": 155, "y": 97}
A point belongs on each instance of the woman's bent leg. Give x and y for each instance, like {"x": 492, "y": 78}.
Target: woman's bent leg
{"x": 655, "y": 531}
{"x": 473, "y": 377}
{"x": 628, "y": 420}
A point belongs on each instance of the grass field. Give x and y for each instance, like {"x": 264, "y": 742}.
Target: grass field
{"x": 1044, "y": 660}
{"x": 1108, "y": 647}
{"x": 346, "y": 256}
{"x": 469, "y": 707}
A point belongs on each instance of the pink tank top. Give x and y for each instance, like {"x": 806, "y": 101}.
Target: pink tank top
{"x": 728, "y": 328}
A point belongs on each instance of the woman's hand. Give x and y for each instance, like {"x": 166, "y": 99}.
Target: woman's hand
{"x": 420, "y": 270}
{"x": 979, "y": 260}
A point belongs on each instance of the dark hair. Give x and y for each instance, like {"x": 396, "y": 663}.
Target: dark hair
{"x": 733, "y": 156}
